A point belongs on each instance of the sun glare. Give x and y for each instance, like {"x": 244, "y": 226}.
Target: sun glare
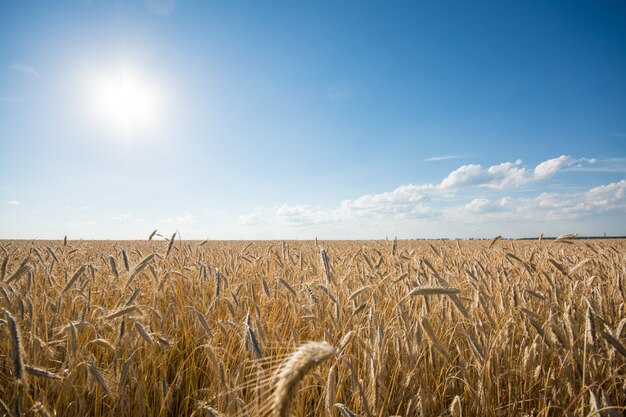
{"x": 125, "y": 102}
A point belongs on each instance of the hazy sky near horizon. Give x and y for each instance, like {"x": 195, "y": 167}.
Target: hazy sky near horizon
{"x": 335, "y": 119}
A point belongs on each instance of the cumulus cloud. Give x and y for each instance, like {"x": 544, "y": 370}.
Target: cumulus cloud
{"x": 550, "y": 167}
{"x": 477, "y": 209}
{"x": 477, "y": 205}
{"x": 24, "y": 69}
{"x": 406, "y": 200}
{"x": 430, "y": 201}
{"x": 504, "y": 175}
{"x": 509, "y": 175}
{"x": 545, "y": 206}
{"x": 466, "y": 175}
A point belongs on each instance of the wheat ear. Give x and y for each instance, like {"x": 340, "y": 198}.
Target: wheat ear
{"x": 291, "y": 372}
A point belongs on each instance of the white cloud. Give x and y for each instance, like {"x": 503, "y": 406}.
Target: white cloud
{"x": 412, "y": 202}
{"x": 509, "y": 175}
{"x": 406, "y": 201}
{"x": 476, "y": 209}
{"x": 24, "y": 69}
{"x": 545, "y": 206}
{"x": 12, "y": 203}
{"x": 600, "y": 199}
{"x": 550, "y": 167}
{"x": 477, "y": 205}
{"x": 464, "y": 176}
{"x": 502, "y": 176}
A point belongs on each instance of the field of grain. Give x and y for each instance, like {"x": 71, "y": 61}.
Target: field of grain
{"x": 406, "y": 328}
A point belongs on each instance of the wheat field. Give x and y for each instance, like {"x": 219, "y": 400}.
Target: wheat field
{"x": 308, "y": 328}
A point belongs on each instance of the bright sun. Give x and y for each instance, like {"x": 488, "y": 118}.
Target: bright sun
{"x": 125, "y": 102}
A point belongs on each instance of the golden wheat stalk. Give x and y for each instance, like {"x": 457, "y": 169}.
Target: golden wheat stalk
{"x": 293, "y": 370}
{"x": 426, "y": 290}
{"x": 16, "y": 348}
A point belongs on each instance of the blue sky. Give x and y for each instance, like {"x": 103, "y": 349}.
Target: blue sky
{"x": 234, "y": 120}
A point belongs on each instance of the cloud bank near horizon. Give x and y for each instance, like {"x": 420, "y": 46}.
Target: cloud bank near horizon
{"x": 508, "y": 198}
{"x": 470, "y": 194}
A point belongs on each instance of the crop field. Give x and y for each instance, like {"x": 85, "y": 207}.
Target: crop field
{"x": 307, "y": 328}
